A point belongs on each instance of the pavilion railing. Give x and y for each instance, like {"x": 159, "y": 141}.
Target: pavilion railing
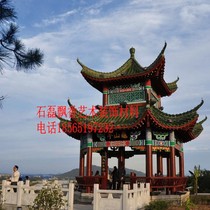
{"x": 172, "y": 184}
{"x": 86, "y": 183}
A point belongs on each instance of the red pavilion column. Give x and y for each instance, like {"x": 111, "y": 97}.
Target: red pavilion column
{"x": 82, "y": 159}
{"x": 159, "y": 103}
{"x": 104, "y": 168}
{"x": 149, "y": 172}
{"x": 168, "y": 165}
{"x": 168, "y": 170}
{"x": 172, "y": 157}
{"x": 159, "y": 162}
{"x": 105, "y": 96}
{"x": 148, "y": 142}
{"x": 89, "y": 155}
{"x": 81, "y": 163}
{"x": 148, "y": 90}
{"x": 121, "y": 157}
{"x": 181, "y": 163}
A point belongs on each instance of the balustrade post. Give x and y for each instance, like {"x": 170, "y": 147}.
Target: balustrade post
{"x": 125, "y": 197}
{"x": 19, "y": 194}
{"x": 135, "y": 189}
{"x": 147, "y": 194}
{"x": 71, "y": 196}
{"x": 27, "y": 184}
{"x": 95, "y": 197}
{"x": 149, "y": 166}
{"x": 4, "y": 182}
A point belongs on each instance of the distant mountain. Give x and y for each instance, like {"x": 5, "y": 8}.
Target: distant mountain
{"x": 68, "y": 175}
{"x": 75, "y": 172}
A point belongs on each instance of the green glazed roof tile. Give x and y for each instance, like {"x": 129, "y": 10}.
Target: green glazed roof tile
{"x": 131, "y": 71}
{"x": 198, "y": 128}
{"x": 183, "y": 124}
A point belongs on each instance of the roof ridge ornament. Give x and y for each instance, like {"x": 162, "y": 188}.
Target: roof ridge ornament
{"x": 199, "y": 105}
{"x": 132, "y": 52}
{"x": 202, "y": 121}
{"x": 163, "y": 50}
{"x": 80, "y": 63}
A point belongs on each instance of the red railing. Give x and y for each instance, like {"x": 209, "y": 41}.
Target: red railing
{"x": 172, "y": 184}
{"x": 169, "y": 183}
{"x": 86, "y": 183}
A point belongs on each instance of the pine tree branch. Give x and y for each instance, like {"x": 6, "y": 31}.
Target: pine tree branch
{"x": 27, "y": 60}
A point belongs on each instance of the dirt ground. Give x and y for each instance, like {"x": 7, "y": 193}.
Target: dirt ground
{"x": 196, "y": 207}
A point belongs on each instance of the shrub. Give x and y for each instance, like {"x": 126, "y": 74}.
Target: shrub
{"x": 200, "y": 199}
{"x": 49, "y": 197}
{"x": 157, "y": 205}
{"x": 189, "y": 205}
{"x": 1, "y": 207}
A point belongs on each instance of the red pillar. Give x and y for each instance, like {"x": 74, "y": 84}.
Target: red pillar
{"x": 82, "y": 159}
{"x": 181, "y": 164}
{"x": 148, "y": 90}
{"x": 89, "y": 155}
{"x": 168, "y": 166}
{"x": 104, "y": 168}
{"x": 159, "y": 162}
{"x": 172, "y": 155}
{"x": 149, "y": 167}
{"x": 81, "y": 164}
{"x": 172, "y": 162}
{"x": 149, "y": 172}
{"x": 89, "y": 162}
{"x": 159, "y": 103}
{"x": 105, "y": 96}
{"x": 168, "y": 171}
{"x": 121, "y": 157}
{"x": 103, "y": 162}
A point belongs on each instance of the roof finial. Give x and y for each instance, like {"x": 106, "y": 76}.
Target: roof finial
{"x": 132, "y": 52}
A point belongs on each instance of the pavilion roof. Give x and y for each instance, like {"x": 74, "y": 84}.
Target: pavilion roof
{"x": 183, "y": 124}
{"x": 132, "y": 72}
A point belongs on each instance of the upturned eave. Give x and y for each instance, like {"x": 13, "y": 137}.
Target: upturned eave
{"x": 131, "y": 71}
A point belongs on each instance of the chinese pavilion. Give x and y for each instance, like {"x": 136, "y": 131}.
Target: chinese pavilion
{"x": 131, "y": 116}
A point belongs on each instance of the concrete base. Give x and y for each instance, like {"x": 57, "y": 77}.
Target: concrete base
{"x": 80, "y": 197}
{"x": 14, "y": 207}
{"x": 178, "y": 199}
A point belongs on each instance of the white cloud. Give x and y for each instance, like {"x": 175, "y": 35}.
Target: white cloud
{"x": 192, "y": 14}
{"x": 56, "y": 19}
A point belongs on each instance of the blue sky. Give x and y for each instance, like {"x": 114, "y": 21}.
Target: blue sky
{"x": 100, "y": 33}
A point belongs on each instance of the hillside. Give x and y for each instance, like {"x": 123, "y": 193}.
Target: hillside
{"x": 75, "y": 172}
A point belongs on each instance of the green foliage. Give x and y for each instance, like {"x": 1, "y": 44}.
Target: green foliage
{"x": 189, "y": 205}
{"x": 157, "y": 205}
{"x": 12, "y": 50}
{"x": 1, "y": 207}
{"x": 201, "y": 178}
{"x": 204, "y": 181}
{"x": 200, "y": 199}
{"x": 49, "y": 197}
{"x": 195, "y": 174}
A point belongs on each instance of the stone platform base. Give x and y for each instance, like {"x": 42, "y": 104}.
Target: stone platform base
{"x": 178, "y": 199}
{"x": 14, "y": 207}
{"x": 80, "y": 197}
